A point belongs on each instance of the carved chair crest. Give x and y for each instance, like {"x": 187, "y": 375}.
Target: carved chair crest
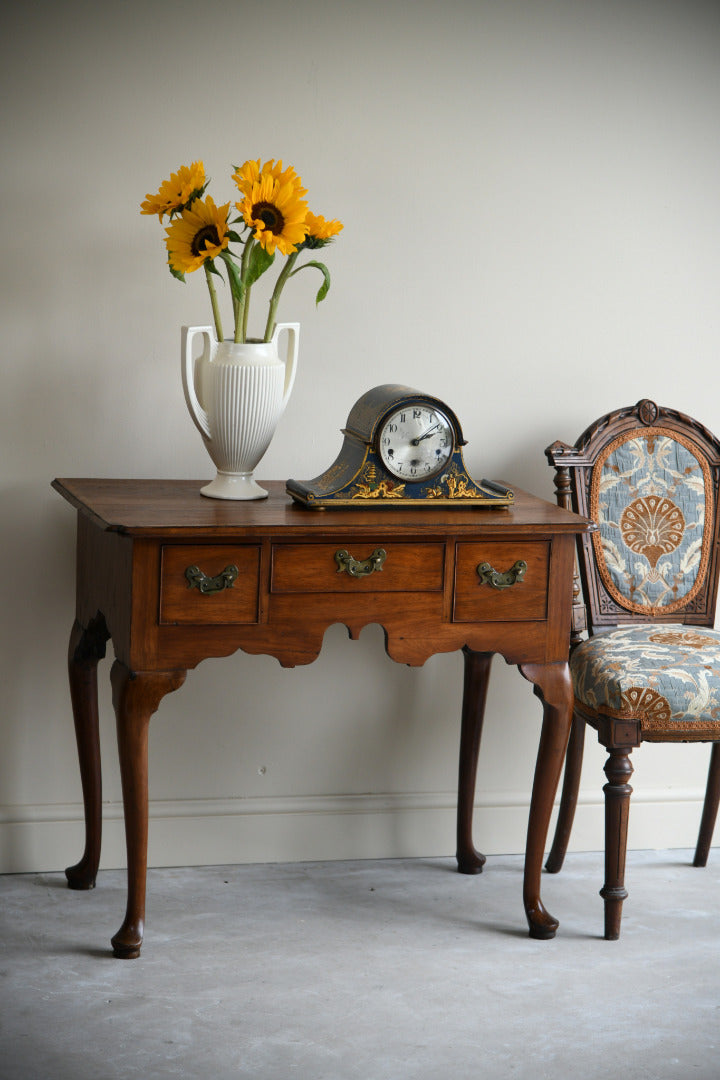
{"x": 648, "y": 476}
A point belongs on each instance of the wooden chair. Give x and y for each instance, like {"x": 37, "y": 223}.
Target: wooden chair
{"x": 649, "y": 668}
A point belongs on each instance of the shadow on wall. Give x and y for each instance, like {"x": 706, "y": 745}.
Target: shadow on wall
{"x": 353, "y": 721}
{"x": 38, "y": 552}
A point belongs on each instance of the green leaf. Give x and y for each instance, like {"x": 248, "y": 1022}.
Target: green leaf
{"x": 325, "y": 287}
{"x": 235, "y": 237}
{"x": 213, "y": 268}
{"x": 259, "y": 262}
{"x": 236, "y": 285}
{"x": 176, "y": 273}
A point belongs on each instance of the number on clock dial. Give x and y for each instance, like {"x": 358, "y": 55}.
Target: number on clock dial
{"x": 416, "y": 442}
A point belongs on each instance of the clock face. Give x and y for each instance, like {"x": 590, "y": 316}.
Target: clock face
{"x": 415, "y": 442}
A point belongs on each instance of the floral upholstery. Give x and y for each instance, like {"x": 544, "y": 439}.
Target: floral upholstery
{"x": 665, "y": 675}
{"x": 651, "y": 497}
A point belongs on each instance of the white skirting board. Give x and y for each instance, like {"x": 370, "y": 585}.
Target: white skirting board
{"x": 299, "y": 829}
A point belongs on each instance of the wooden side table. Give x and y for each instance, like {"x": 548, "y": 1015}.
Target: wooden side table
{"x": 174, "y": 578}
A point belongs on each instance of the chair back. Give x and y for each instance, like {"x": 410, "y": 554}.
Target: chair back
{"x": 648, "y": 477}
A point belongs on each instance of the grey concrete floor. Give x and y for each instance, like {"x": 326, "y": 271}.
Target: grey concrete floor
{"x": 387, "y": 970}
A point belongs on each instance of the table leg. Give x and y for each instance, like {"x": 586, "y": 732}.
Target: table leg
{"x": 477, "y": 675}
{"x": 136, "y": 696}
{"x": 553, "y": 686}
{"x": 86, "y": 648}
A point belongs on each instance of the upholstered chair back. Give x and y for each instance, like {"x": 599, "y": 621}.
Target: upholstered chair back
{"x": 648, "y": 477}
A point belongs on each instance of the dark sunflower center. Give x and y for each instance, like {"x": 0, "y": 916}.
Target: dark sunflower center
{"x": 204, "y": 237}
{"x": 270, "y": 216}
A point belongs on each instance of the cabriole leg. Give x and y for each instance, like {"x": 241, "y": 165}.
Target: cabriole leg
{"x": 86, "y": 649}
{"x": 477, "y": 674}
{"x": 553, "y": 686}
{"x": 136, "y": 696}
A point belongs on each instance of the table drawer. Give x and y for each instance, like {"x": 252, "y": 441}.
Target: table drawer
{"x": 516, "y": 594}
{"x": 314, "y": 568}
{"x": 209, "y": 584}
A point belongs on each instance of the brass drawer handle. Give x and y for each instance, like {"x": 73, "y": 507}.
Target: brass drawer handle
{"x": 356, "y": 568}
{"x": 496, "y": 580}
{"x": 224, "y": 580}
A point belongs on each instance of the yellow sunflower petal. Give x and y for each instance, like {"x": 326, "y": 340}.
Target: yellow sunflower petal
{"x": 320, "y": 229}
{"x": 176, "y": 193}
{"x": 252, "y": 172}
{"x": 247, "y": 175}
{"x": 276, "y": 211}
{"x": 199, "y": 234}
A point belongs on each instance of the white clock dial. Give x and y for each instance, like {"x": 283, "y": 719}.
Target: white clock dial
{"x": 415, "y": 442}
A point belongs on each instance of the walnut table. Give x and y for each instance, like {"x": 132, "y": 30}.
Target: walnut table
{"x": 172, "y": 578}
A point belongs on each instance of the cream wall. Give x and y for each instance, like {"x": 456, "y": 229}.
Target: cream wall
{"x": 532, "y": 226}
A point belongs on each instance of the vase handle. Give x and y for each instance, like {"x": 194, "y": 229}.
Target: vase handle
{"x": 291, "y": 356}
{"x": 187, "y": 366}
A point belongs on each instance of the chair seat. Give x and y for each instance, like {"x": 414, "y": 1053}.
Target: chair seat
{"x": 665, "y": 675}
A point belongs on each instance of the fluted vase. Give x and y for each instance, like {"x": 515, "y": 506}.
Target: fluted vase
{"x": 236, "y": 393}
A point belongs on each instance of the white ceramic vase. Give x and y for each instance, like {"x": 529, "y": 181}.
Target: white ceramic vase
{"x": 236, "y": 393}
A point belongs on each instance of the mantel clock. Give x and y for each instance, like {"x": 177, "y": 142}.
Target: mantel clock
{"x": 401, "y": 448}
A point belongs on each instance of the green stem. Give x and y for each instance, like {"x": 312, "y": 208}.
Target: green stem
{"x": 275, "y": 298}
{"x": 245, "y": 314}
{"x": 213, "y": 301}
{"x": 243, "y": 310}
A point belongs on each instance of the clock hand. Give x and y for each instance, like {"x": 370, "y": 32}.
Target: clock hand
{"x": 425, "y": 435}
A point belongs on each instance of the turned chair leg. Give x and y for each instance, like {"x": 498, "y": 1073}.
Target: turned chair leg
{"x": 710, "y": 809}
{"x": 618, "y": 770}
{"x": 568, "y": 800}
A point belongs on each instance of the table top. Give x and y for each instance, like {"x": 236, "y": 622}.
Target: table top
{"x": 147, "y": 508}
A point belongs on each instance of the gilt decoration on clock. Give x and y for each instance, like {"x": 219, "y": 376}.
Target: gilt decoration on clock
{"x": 401, "y": 447}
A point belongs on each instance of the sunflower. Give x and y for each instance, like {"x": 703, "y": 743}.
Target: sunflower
{"x": 201, "y": 233}
{"x": 276, "y": 211}
{"x": 252, "y": 171}
{"x": 177, "y": 193}
{"x": 319, "y": 231}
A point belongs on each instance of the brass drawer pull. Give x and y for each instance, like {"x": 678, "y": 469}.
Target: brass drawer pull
{"x": 356, "y": 568}
{"x": 224, "y": 580}
{"x": 496, "y": 580}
